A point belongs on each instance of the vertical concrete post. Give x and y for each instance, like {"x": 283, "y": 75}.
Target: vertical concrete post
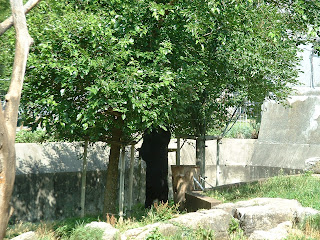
{"x": 121, "y": 194}
{"x": 131, "y": 176}
{"x": 83, "y": 179}
{"x": 201, "y": 154}
{"x": 218, "y": 170}
{"x": 178, "y": 152}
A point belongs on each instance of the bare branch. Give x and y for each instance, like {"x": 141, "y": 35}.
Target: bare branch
{"x": 6, "y": 24}
{"x": 23, "y": 42}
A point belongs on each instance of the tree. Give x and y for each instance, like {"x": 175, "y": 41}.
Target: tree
{"x": 9, "y": 115}
{"x": 116, "y": 68}
{"x": 97, "y": 81}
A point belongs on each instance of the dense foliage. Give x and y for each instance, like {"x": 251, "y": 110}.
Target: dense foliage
{"x": 183, "y": 64}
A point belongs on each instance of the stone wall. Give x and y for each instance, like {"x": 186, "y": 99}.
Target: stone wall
{"x": 49, "y": 175}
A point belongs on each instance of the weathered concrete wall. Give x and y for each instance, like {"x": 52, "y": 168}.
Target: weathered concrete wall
{"x": 289, "y": 135}
{"x": 48, "y": 180}
{"x": 48, "y": 175}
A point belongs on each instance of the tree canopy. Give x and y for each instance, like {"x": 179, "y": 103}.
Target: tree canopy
{"x": 91, "y": 68}
{"x": 160, "y": 63}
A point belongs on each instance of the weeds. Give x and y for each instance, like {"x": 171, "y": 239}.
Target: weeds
{"x": 84, "y": 233}
{"x": 160, "y": 213}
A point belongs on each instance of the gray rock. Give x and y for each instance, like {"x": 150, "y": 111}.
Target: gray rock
{"x": 305, "y": 212}
{"x": 277, "y": 233}
{"x": 26, "y": 236}
{"x": 109, "y": 232}
{"x": 259, "y": 218}
{"x": 265, "y": 214}
{"x": 312, "y": 164}
{"x": 214, "y": 219}
{"x": 165, "y": 229}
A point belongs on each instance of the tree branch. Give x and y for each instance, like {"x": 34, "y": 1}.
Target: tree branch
{"x": 23, "y": 42}
{"x": 6, "y": 24}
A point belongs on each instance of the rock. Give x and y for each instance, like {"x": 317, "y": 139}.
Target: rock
{"x": 26, "y": 236}
{"x": 305, "y": 212}
{"x": 214, "y": 219}
{"x": 165, "y": 229}
{"x": 259, "y": 218}
{"x": 277, "y": 233}
{"x": 265, "y": 214}
{"x": 313, "y": 165}
{"x": 109, "y": 232}
{"x": 228, "y": 207}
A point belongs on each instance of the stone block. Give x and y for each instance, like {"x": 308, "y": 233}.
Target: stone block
{"x": 195, "y": 201}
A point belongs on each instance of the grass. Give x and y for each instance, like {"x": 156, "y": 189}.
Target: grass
{"x": 305, "y": 188}
{"x": 243, "y": 130}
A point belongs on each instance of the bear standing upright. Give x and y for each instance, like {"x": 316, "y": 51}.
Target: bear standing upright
{"x": 154, "y": 151}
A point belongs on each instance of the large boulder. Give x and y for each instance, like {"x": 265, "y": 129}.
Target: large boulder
{"x": 109, "y": 232}
{"x": 277, "y": 233}
{"x": 266, "y": 213}
{"x": 259, "y": 218}
{"x": 213, "y": 219}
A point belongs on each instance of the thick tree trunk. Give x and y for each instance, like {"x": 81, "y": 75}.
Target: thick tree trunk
{"x": 9, "y": 115}
{"x": 111, "y": 190}
{"x": 7, "y": 174}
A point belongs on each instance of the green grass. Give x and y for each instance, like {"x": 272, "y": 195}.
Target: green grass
{"x": 37, "y": 136}
{"x": 243, "y": 130}
{"x": 305, "y": 188}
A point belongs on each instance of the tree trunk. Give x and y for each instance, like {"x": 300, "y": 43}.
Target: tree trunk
{"x": 9, "y": 115}
{"x": 6, "y": 24}
{"x": 111, "y": 190}
{"x": 7, "y": 174}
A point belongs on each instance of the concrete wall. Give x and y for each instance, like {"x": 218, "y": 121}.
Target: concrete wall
{"x": 48, "y": 175}
{"x": 289, "y": 135}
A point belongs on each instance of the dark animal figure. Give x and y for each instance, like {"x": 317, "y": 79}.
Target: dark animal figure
{"x": 154, "y": 151}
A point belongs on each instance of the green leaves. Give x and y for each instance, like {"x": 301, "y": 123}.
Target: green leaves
{"x": 176, "y": 64}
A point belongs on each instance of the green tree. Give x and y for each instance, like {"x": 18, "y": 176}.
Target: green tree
{"x": 115, "y": 68}
{"x": 92, "y": 79}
